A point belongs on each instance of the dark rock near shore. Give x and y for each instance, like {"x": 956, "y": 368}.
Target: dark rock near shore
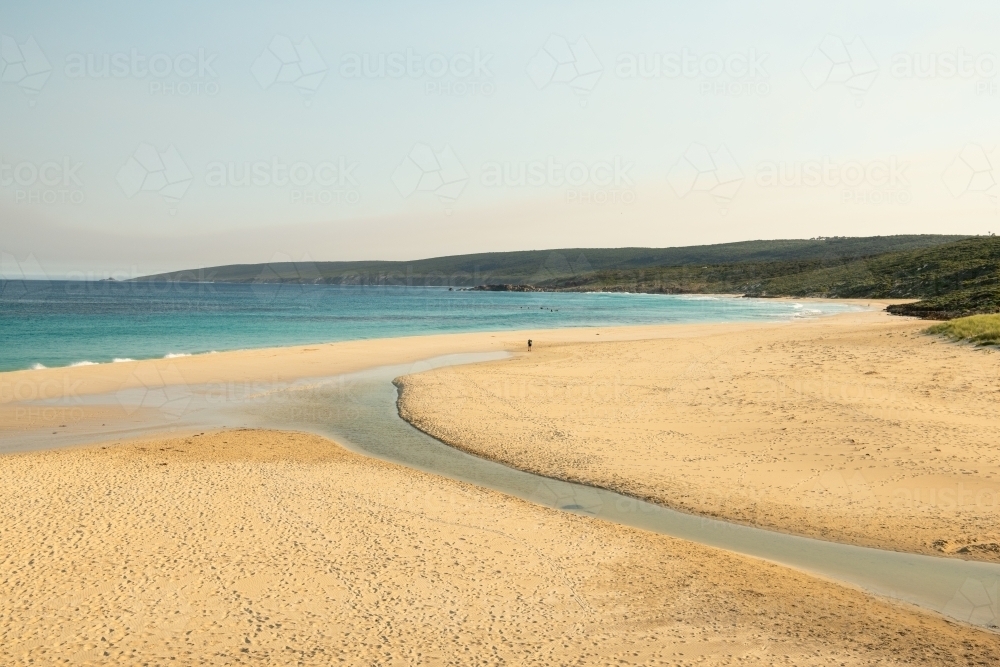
{"x": 506, "y": 288}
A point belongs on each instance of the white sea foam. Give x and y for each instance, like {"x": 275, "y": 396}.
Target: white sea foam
{"x": 119, "y": 360}
{"x": 84, "y": 363}
{"x": 692, "y": 297}
{"x": 38, "y": 367}
{"x": 175, "y": 355}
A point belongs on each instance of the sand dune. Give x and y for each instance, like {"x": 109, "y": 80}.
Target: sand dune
{"x": 260, "y": 547}
{"x": 855, "y": 428}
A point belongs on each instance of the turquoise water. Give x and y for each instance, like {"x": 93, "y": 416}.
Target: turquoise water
{"x": 55, "y": 323}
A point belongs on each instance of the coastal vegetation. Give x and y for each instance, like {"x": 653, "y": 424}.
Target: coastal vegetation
{"x": 946, "y": 276}
{"x": 979, "y": 329}
{"x": 536, "y": 266}
{"x": 949, "y": 280}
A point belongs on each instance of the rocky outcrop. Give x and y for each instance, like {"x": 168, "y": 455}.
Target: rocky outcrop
{"x": 506, "y": 288}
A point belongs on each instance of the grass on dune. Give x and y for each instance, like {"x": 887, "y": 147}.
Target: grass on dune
{"x": 980, "y": 329}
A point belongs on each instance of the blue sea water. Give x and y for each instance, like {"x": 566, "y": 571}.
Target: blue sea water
{"x": 61, "y": 323}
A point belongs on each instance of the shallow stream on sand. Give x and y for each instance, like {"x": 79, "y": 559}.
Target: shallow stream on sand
{"x": 359, "y": 411}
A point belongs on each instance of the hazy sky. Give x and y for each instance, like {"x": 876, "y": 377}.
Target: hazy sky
{"x": 139, "y": 137}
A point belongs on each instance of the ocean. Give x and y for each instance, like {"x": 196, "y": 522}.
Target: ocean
{"x": 64, "y": 323}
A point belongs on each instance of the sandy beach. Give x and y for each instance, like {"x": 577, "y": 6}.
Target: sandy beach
{"x": 283, "y": 364}
{"x": 58, "y": 401}
{"x": 466, "y": 335}
{"x": 855, "y": 428}
{"x": 261, "y": 547}
{"x": 268, "y": 547}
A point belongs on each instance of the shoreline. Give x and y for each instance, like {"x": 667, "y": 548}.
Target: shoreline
{"x": 252, "y": 368}
{"x": 38, "y": 366}
{"x": 265, "y": 363}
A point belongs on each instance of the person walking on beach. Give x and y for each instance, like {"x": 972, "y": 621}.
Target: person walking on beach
{"x": 529, "y": 345}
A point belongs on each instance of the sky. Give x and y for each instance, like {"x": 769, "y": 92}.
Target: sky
{"x": 145, "y": 137}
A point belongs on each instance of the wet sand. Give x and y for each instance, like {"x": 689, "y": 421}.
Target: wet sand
{"x": 855, "y": 428}
{"x": 263, "y": 547}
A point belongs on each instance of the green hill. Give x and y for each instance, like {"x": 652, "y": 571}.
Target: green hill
{"x": 951, "y": 280}
{"x": 540, "y": 266}
{"x": 952, "y": 276}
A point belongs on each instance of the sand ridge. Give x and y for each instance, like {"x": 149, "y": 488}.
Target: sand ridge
{"x": 263, "y": 547}
{"x": 856, "y": 428}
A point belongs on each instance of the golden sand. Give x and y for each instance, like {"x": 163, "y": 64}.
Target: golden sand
{"x": 856, "y": 428}
{"x": 263, "y": 547}
{"x": 269, "y": 548}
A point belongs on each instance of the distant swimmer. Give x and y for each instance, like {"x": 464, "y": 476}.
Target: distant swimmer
{"x": 529, "y": 345}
